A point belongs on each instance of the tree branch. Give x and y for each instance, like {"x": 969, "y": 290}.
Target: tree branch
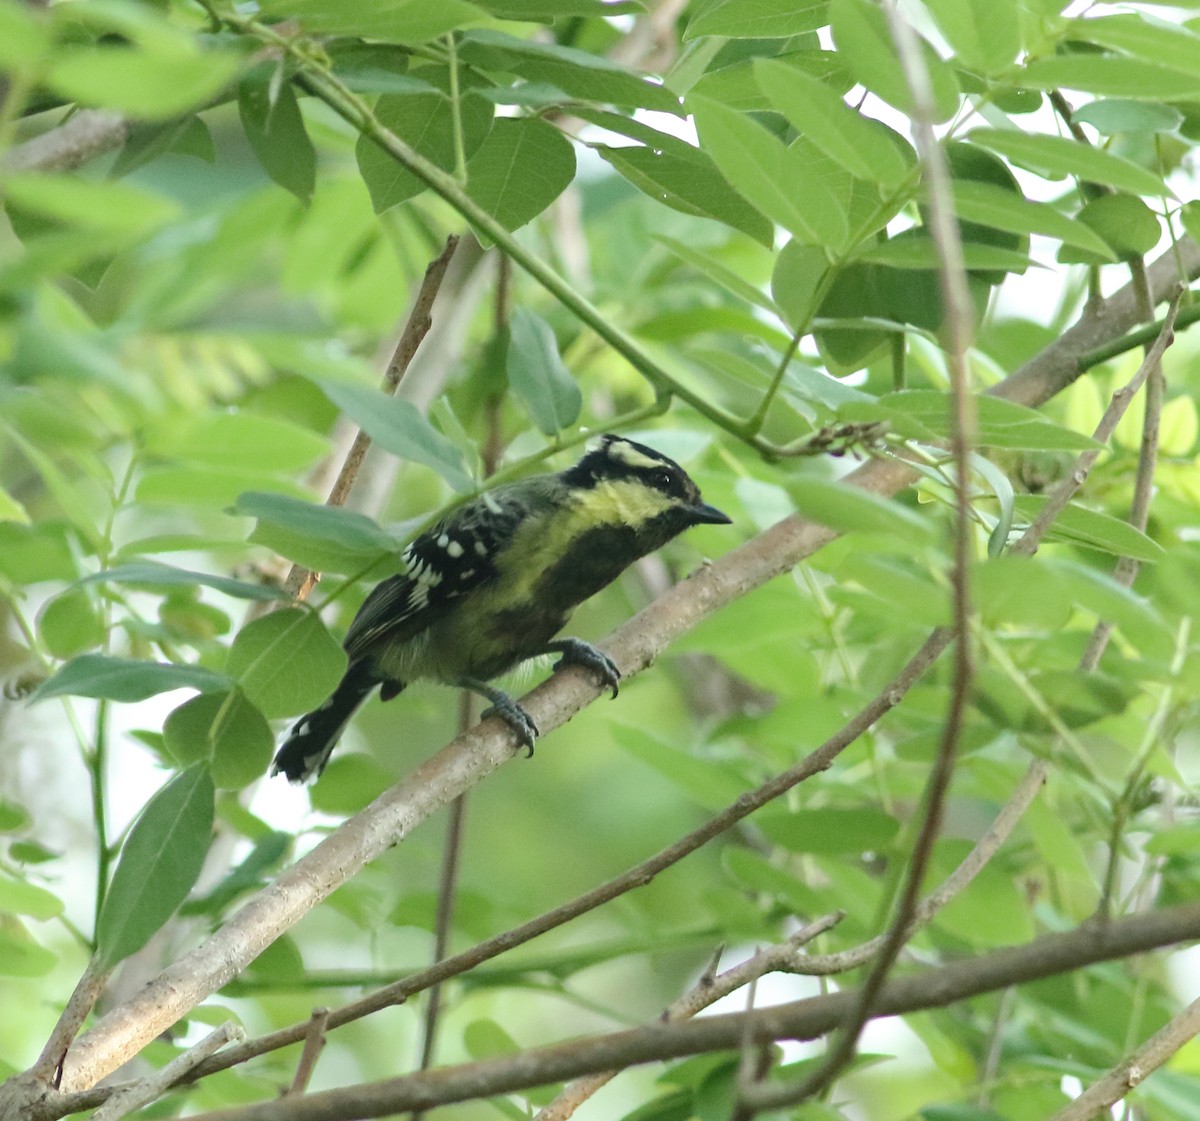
{"x": 89, "y": 133}
{"x": 800, "y": 1020}
{"x": 469, "y": 758}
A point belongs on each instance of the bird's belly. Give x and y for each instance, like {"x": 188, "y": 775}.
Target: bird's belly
{"x": 484, "y": 644}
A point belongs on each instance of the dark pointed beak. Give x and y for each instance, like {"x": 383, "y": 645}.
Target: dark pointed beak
{"x": 703, "y": 514}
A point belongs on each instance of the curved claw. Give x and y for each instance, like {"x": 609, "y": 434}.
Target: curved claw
{"x": 576, "y": 652}
{"x": 516, "y": 718}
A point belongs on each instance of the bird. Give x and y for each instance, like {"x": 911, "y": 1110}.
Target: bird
{"x": 492, "y": 583}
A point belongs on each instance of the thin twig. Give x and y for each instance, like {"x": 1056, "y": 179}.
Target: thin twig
{"x": 1117, "y": 406}
{"x": 1130, "y": 1072}
{"x": 708, "y": 989}
{"x": 314, "y": 1043}
{"x": 300, "y": 581}
{"x": 1143, "y": 488}
{"x": 150, "y": 1089}
{"x": 48, "y": 1067}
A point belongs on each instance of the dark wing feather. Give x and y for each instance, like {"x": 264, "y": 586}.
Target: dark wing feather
{"x": 443, "y": 563}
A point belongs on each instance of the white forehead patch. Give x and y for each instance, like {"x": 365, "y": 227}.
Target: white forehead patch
{"x": 624, "y": 452}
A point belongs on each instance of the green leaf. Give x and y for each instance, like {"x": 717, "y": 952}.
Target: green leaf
{"x": 1110, "y": 77}
{"x": 11, "y": 510}
{"x": 286, "y": 662}
{"x": 160, "y": 862}
{"x": 796, "y": 280}
{"x": 520, "y": 169}
{"x": 538, "y": 376}
{"x": 392, "y": 21}
{"x": 349, "y": 782}
{"x": 1116, "y": 115}
{"x": 20, "y": 898}
{"x": 20, "y": 955}
{"x": 71, "y": 623}
{"x": 151, "y": 85}
{"x": 275, "y": 129}
{"x": 226, "y": 731}
{"x": 708, "y": 783}
{"x": 1058, "y": 156}
{"x": 736, "y": 86}
{"x": 757, "y": 19}
{"x": 1001, "y": 209}
{"x": 203, "y": 486}
{"x": 865, "y": 48}
{"x": 581, "y": 74}
{"x": 156, "y": 575}
{"x": 399, "y": 428}
{"x": 718, "y": 273}
{"x": 773, "y": 178}
{"x": 1124, "y": 222}
{"x": 1154, "y": 40}
{"x": 919, "y": 252}
{"x": 862, "y": 146}
{"x": 984, "y": 34}
{"x": 829, "y": 830}
{"x": 1099, "y": 593}
{"x": 849, "y": 509}
{"x": 685, "y": 179}
{"x": 1001, "y": 424}
{"x": 124, "y": 679}
{"x": 485, "y": 1039}
{"x": 1095, "y": 530}
{"x": 424, "y": 120}
{"x": 102, "y": 206}
{"x": 333, "y": 523}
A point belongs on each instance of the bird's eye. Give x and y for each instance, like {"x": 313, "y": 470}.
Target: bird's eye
{"x": 662, "y": 480}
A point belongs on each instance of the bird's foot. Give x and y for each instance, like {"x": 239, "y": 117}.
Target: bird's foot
{"x": 576, "y": 652}
{"x": 515, "y": 717}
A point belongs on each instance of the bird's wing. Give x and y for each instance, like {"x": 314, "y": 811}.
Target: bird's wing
{"x": 443, "y": 563}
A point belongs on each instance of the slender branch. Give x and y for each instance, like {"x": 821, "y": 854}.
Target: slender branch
{"x": 1143, "y": 336}
{"x": 1117, "y": 406}
{"x": 1132, "y": 1071}
{"x": 1047, "y": 956}
{"x": 48, "y": 1067}
{"x": 150, "y": 1089}
{"x": 314, "y": 1044}
{"x": 89, "y": 133}
{"x": 711, "y": 987}
{"x": 300, "y": 581}
{"x": 1143, "y": 487}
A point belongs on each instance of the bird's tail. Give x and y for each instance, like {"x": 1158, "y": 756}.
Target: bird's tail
{"x": 307, "y": 749}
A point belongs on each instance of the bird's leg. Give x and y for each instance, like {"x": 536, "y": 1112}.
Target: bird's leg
{"x": 506, "y": 708}
{"x": 576, "y": 652}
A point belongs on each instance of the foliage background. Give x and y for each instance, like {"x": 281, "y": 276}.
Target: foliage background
{"x": 216, "y": 272}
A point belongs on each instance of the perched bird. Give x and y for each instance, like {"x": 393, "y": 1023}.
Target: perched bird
{"x": 495, "y": 580}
